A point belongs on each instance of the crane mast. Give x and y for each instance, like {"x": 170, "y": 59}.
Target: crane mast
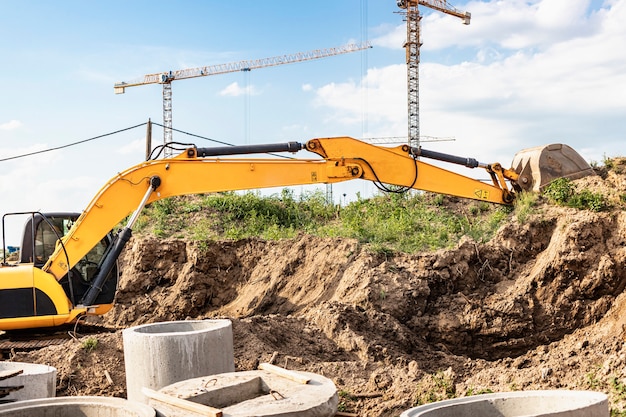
{"x": 166, "y": 78}
{"x": 412, "y": 47}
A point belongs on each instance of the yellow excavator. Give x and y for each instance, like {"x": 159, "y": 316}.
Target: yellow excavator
{"x": 67, "y": 265}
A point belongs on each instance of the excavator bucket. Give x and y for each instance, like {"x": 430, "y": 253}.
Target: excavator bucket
{"x": 538, "y": 166}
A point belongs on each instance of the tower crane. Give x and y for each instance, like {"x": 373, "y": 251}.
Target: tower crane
{"x": 412, "y": 47}
{"x": 166, "y": 78}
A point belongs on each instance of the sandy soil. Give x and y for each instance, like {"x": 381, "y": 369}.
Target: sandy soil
{"x": 540, "y": 306}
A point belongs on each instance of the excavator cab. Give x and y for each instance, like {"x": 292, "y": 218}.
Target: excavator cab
{"x": 41, "y": 234}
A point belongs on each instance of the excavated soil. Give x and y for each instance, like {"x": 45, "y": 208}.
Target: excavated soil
{"x": 540, "y": 306}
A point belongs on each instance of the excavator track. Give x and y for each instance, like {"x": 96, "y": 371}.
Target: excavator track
{"x": 27, "y": 340}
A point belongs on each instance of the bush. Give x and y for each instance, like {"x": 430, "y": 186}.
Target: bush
{"x": 588, "y": 200}
{"x": 559, "y": 191}
{"x": 562, "y": 192}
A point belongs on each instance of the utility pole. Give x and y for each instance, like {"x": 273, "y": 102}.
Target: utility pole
{"x": 148, "y": 139}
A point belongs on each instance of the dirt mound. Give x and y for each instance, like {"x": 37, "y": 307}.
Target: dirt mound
{"x": 540, "y": 306}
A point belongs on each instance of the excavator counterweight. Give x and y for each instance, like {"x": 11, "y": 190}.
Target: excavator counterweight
{"x": 539, "y": 166}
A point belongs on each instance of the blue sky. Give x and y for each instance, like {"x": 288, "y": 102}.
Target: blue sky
{"x": 523, "y": 73}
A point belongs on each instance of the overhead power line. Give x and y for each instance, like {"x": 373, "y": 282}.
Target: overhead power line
{"x": 80, "y": 142}
{"x": 71, "y": 144}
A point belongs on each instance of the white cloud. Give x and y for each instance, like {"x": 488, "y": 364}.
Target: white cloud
{"x": 519, "y": 24}
{"x": 296, "y": 129}
{"x": 582, "y": 75}
{"x": 133, "y": 147}
{"x": 11, "y": 125}
{"x": 307, "y": 87}
{"x": 378, "y": 92}
{"x": 43, "y": 194}
{"x": 235, "y": 90}
{"x": 550, "y": 85}
{"x": 511, "y": 24}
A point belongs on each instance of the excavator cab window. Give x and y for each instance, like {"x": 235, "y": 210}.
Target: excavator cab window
{"x": 46, "y": 236}
{"x": 41, "y": 233}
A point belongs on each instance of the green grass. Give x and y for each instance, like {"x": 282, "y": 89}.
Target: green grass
{"x": 89, "y": 344}
{"x": 563, "y": 192}
{"x": 475, "y": 391}
{"x": 435, "y": 387}
{"x": 390, "y": 223}
{"x": 410, "y": 222}
{"x": 525, "y": 204}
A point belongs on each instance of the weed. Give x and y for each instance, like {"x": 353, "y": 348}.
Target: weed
{"x": 524, "y": 205}
{"x": 438, "y": 200}
{"x": 438, "y": 386}
{"x": 588, "y": 200}
{"x": 191, "y": 207}
{"x": 484, "y": 206}
{"x": 443, "y": 382}
{"x": 382, "y": 249}
{"x": 607, "y": 162}
{"x": 473, "y": 391}
{"x": 592, "y": 380}
{"x": 559, "y": 191}
{"x": 165, "y": 207}
{"x": 344, "y": 396}
{"x": 203, "y": 246}
{"x": 89, "y": 344}
{"x": 408, "y": 223}
{"x": 619, "y": 387}
{"x": 562, "y": 192}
